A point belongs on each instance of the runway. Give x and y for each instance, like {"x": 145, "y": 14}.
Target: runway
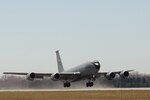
{"x": 83, "y": 89}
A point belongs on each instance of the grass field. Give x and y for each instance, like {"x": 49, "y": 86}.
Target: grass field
{"x": 77, "y": 95}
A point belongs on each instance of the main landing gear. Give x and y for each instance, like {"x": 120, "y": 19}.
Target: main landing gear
{"x": 89, "y": 84}
{"x": 67, "y": 84}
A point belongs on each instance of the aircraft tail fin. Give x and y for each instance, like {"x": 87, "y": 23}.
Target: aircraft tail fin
{"x": 59, "y": 62}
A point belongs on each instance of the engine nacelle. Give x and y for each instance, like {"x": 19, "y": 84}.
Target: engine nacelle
{"x": 31, "y": 76}
{"x": 110, "y": 75}
{"x": 124, "y": 74}
{"x": 55, "y": 76}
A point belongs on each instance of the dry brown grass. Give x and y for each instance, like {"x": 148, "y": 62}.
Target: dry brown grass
{"x": 77, "y": 95}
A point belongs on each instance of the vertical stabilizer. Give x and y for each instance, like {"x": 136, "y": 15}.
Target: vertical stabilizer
{"x": 59, "y": 62}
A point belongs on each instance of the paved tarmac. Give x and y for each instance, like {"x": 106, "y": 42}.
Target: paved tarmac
{"x": 83, "y": 89}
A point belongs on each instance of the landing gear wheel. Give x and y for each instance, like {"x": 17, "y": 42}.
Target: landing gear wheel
{"x": 89, "y": 84}
{"x": 67, "y": 84}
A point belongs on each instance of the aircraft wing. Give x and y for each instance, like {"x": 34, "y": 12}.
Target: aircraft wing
{"x": 99, "y": 74}
{"x": 15, "y": 73}
{"x": 37, "y": 75}
{"x": 69, "y": 75}
{"x": 41, "y": 75}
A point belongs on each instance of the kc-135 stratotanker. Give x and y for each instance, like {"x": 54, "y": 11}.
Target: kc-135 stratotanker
{"x": 88, "y": 70}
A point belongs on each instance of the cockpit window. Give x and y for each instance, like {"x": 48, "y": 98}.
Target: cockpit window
{"x": 96, "y": 63}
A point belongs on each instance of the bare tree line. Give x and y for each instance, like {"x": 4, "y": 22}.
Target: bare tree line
{"x": 134, "y": 80}
{"x": 15, "y": 82}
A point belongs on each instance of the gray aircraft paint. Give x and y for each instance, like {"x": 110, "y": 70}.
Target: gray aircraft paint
{"x": 85, "y": 69}
{"x": 59, "y": 62}
{"x": 88, "y": 70}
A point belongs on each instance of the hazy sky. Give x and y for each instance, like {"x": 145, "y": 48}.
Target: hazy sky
{"x": 115, "y": 32}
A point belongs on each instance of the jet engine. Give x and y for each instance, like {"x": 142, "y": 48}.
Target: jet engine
{"x": 110, "y": 75}
{"x": 55, "y": 76}
{"x": 31, "y": 76}
{"x": 124, "y": 74}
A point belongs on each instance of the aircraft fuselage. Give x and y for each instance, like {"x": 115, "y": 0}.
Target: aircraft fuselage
{"x": 87, "y": 69}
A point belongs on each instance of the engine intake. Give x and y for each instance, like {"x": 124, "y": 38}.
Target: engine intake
{"x": 124, "y": 74}
{"x": 110, "y": 75}
{"x": 31, "y": 76}
{"x": 55, "y": 76}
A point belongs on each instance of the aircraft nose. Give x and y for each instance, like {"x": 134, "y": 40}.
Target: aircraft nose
{"x": 96, "y": 64}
